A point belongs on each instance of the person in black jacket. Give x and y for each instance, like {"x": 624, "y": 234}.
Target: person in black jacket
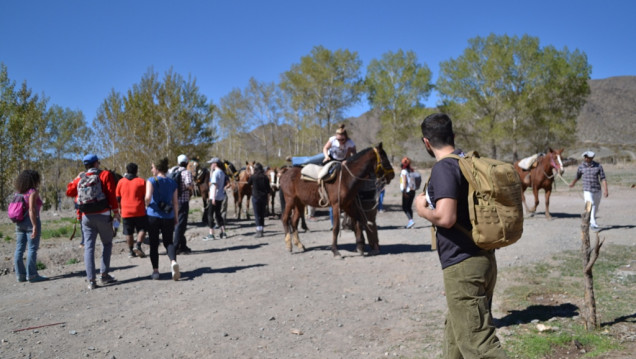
{"x": 260, "y": 189}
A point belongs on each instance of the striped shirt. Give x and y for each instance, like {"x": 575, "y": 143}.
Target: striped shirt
{"x": 592, "y": 174}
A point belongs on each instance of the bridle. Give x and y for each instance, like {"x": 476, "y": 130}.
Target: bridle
{"x": 379, "y": 166}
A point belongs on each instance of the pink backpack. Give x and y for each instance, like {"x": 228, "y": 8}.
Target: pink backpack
{"x": 17, "y": 208}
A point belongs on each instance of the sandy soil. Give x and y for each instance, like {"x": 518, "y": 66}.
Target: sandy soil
{"x": 247, "y": 297}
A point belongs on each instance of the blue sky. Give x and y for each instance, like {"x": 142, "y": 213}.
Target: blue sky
{"x": 76, "y": 52}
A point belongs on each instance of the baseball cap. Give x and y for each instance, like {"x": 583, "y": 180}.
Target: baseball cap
{"x": 589, "y": 154}
{"x": 182, "y": 159}
{"x": 214, "y": 160}
{"x": 90, "y": 159}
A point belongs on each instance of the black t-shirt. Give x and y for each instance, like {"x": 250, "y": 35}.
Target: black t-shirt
{"x": 447, "y": 181}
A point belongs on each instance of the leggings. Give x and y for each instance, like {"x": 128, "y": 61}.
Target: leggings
{"x": 407, "y": 203}
{"x": 170, "y": 242}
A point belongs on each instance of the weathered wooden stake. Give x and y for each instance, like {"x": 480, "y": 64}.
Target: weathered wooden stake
{"x": 590, "y": 255}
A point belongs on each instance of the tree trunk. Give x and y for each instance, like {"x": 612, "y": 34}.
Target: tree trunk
{"x": 590, "y": 255}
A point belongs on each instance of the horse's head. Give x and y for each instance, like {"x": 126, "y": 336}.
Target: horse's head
{"x": 555, "y": 160}
{"x": 384, "y": 169}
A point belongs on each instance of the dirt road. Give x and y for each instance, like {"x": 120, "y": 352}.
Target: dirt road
{"x": 247, "y": 297}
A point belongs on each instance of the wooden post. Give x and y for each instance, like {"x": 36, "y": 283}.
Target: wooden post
{"x": 590, "y": 255}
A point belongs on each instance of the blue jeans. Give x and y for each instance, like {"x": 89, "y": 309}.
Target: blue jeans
{"x": 316, "y": 159}
{"x": 92, "y": 225}
{"x": 381, "y": 200}
{"x": 24, "y": 242}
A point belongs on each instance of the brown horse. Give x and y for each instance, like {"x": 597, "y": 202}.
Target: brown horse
{"x": 244, "y": 190}
{"x": 342, "y": 192}
{"x": 541, "y": 176}
{"x": 201, "y": 178}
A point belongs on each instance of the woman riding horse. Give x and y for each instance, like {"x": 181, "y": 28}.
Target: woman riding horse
{"x": 340, "y": 193}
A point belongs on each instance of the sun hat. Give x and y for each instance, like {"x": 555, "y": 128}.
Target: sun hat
{"x": 589, "y": 154}
{"x": 214, "y": 160}
{"x": 182, "y": 159}
{"x": 90, "y": 159}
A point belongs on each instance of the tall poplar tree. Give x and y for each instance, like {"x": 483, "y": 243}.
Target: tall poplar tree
{"x": 515, "y": 95}
{"x": 397, "y": 85}
{"x": 325, "y": 83}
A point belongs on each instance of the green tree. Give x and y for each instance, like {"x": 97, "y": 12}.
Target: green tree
{"x": 515, "y": 95}
{"x": 324, "y": 84}
{"x": 155, "y": 119}
{"x": 67, "y": 135}
{"x": 232, "y": 113}
{"x": 265, "y": 111}
{"x": 22, "y": 128}
{"x": 397, "y": 85}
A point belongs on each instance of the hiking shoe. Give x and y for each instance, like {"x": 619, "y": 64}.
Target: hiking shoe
{"x": 410, "y": 224}
{"x": 37, "y": 278}
{"x": 92, "y": 285}
{"x": 138, "y": 251}
{"x": 175, "y": 271}
{"x": 107, "y": 279}
{"x": 154, "y": 276}
{"x": 223, "y": 235}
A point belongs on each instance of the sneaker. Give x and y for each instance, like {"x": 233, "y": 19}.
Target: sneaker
{"x": 154, "y": 276}
{"x": 21, "y": 279}
{"x": 410, "y": 224}
{"x": 107, "y": 279}
{"x": 223, "y": 235}
{"x": 38, "y": 278}
{"x": 209, "y": 237}
{"x": 186, "y": 250}
{"x": 175, "y": 271}
{"x": 131, "y": 254}
{"x": 92, "y": 285}
{"x": 138, "y": 251}
{"x": 594, "y": 226}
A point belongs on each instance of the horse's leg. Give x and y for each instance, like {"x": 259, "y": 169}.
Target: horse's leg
{"x": 295, "y": 238}
{"x": 359, "y": 237}
{"x": 240, "y": 207}
{"x": 523, "y": 200}
{"x": 335, "y": 230}
{"x": 285, "y": 221}
{"x": 247, "y": 207}
{"x": 535, "y": 193}
{"x": 547, "y": 203}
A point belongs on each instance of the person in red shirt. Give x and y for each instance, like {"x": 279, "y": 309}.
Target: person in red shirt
{"x": 97, "y": 219}
{"x": 130, "y": 193}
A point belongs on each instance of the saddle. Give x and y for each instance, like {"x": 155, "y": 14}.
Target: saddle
{"x": 321, "y": 174}
{"x": 528, "y": 163}
{"x": 316, "y": 173}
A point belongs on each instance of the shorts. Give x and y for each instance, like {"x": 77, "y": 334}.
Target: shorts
{"x": 131, "y": 224}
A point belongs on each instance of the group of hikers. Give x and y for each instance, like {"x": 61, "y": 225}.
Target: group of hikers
{"x": 160, "y": 205}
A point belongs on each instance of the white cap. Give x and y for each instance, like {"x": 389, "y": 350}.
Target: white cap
{"x": 182, "y": 159}
{"x": 589, "y": 154}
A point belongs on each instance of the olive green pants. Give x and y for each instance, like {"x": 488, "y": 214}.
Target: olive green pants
{"x": 469, "y": 331}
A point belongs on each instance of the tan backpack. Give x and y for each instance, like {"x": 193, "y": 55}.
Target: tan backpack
{"x": 494, "y": 200}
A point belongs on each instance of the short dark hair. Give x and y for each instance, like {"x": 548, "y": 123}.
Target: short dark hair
{"x": 26, "y": 180}
{"x": 438, "y": 129}
{"x": 162, "y": 165}
{"x": 132, "y": 168}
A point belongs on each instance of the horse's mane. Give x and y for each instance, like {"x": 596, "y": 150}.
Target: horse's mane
{"x": 359, "y": 154}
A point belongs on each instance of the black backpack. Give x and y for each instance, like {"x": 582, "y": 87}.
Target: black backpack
{"x": 175, "y": 174}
